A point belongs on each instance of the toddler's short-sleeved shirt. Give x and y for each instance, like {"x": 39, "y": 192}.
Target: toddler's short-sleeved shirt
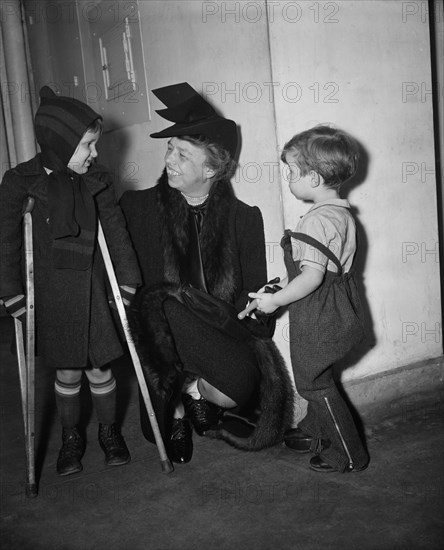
{"x": 331, "y": 223}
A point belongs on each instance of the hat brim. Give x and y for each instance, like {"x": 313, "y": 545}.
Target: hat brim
{"x": 220, "y": 130}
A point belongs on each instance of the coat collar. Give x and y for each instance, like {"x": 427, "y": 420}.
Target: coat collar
{"x": 331, "y": 202}
{"x": 31, "y": 168}
{"x": 34, "y": 167}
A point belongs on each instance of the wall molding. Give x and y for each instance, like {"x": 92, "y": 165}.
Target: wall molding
{"x": 386, "y": 393}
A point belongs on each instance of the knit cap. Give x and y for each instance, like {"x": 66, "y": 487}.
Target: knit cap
{"x": 60, "y": 123}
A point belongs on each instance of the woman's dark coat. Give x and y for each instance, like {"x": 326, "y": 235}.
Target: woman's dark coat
{"x": 74, "y": 324}
{"x": 242, "y": 227}
{"x": 233, "y": 254}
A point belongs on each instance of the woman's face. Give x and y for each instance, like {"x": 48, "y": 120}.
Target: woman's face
{"x": 186, "y": 168}
{"x": 85, "y": 153}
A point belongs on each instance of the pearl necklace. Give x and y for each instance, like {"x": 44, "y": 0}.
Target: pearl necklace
{"x": 195, "y": 201}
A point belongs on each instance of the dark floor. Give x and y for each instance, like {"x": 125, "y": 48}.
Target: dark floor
{"x": 224, "y": 498}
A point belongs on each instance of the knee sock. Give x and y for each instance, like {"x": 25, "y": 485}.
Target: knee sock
{"x": 104, "y": 398}
{"x": 68, "y": 403}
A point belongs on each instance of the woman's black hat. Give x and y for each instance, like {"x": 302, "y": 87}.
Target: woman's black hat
{"x": 192, "y": 115}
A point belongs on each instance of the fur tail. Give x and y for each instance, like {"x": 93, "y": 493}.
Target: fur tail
{"x": 153, "y": 339}
{"x": 276, "y": 402}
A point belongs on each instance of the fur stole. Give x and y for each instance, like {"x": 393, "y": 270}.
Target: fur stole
{"x": 276, "y": 403}
{"x": 153, "y": 339}
{"x": 215, "y": 240}
{"x": 164, "y": 372}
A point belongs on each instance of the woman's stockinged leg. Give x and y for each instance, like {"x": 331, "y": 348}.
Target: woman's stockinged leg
{"x": 212, "y": 394}
{"x": 179, "y": 410}
{"x": 209, "y": 393}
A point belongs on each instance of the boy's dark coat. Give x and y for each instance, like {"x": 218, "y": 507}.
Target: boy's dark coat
{"x": 71, "y": 307}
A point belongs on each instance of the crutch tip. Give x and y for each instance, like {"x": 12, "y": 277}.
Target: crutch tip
{"x": 31, "y": 490}
{"x": 167, "y": 467}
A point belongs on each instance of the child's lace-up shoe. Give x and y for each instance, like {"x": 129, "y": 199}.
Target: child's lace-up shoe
{"x": 71, "y": 452}
{"x": 113, "y": 445}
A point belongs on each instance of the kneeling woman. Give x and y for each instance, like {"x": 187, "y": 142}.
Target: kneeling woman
{"x": 191, "y": 232}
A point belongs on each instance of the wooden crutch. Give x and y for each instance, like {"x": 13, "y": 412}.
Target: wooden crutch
{"x": 26, "y": 360}
{"x": 164, "y": 460}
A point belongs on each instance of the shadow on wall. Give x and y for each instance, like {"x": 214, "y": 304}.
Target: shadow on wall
{"x": 114, "y": 150}
{"x": 359, "y": 265}
{"x": 354, "y": 356}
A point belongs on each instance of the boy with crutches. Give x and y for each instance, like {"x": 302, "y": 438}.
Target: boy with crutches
{"x": 75, "y": 329}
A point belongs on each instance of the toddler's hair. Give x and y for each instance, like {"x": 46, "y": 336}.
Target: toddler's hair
{"x": 330, "y": 152}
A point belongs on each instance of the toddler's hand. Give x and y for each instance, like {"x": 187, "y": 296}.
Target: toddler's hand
{"x": 265, "y": 302}
{"x": 251, "y": 306}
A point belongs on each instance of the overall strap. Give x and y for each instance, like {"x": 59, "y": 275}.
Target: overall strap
{"x": 319, "y": 246}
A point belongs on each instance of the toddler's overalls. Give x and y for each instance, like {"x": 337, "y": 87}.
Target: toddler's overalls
{"x": 324, "y": 326}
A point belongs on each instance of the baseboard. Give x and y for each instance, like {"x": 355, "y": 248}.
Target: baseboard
{"x": 400, "y": 391}
{"x": 397, "y": 390}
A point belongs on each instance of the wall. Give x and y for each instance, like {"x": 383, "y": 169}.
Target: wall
{"x": 365, "y": 67}
{"x": 227, "y": 62}
{"x": 280, "y": 67}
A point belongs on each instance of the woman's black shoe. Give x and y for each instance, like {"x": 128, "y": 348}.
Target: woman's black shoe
{"x": 296, "y": 440}
{"x": 203, "y": 414}
{"x": 113, "y": 445}
{"x": 71, "y": 452}
{"x": 181, "y": 443}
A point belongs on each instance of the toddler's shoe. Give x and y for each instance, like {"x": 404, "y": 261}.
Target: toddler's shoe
{"x": 318, "y": 465}
{"x": 296, "y": 440}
